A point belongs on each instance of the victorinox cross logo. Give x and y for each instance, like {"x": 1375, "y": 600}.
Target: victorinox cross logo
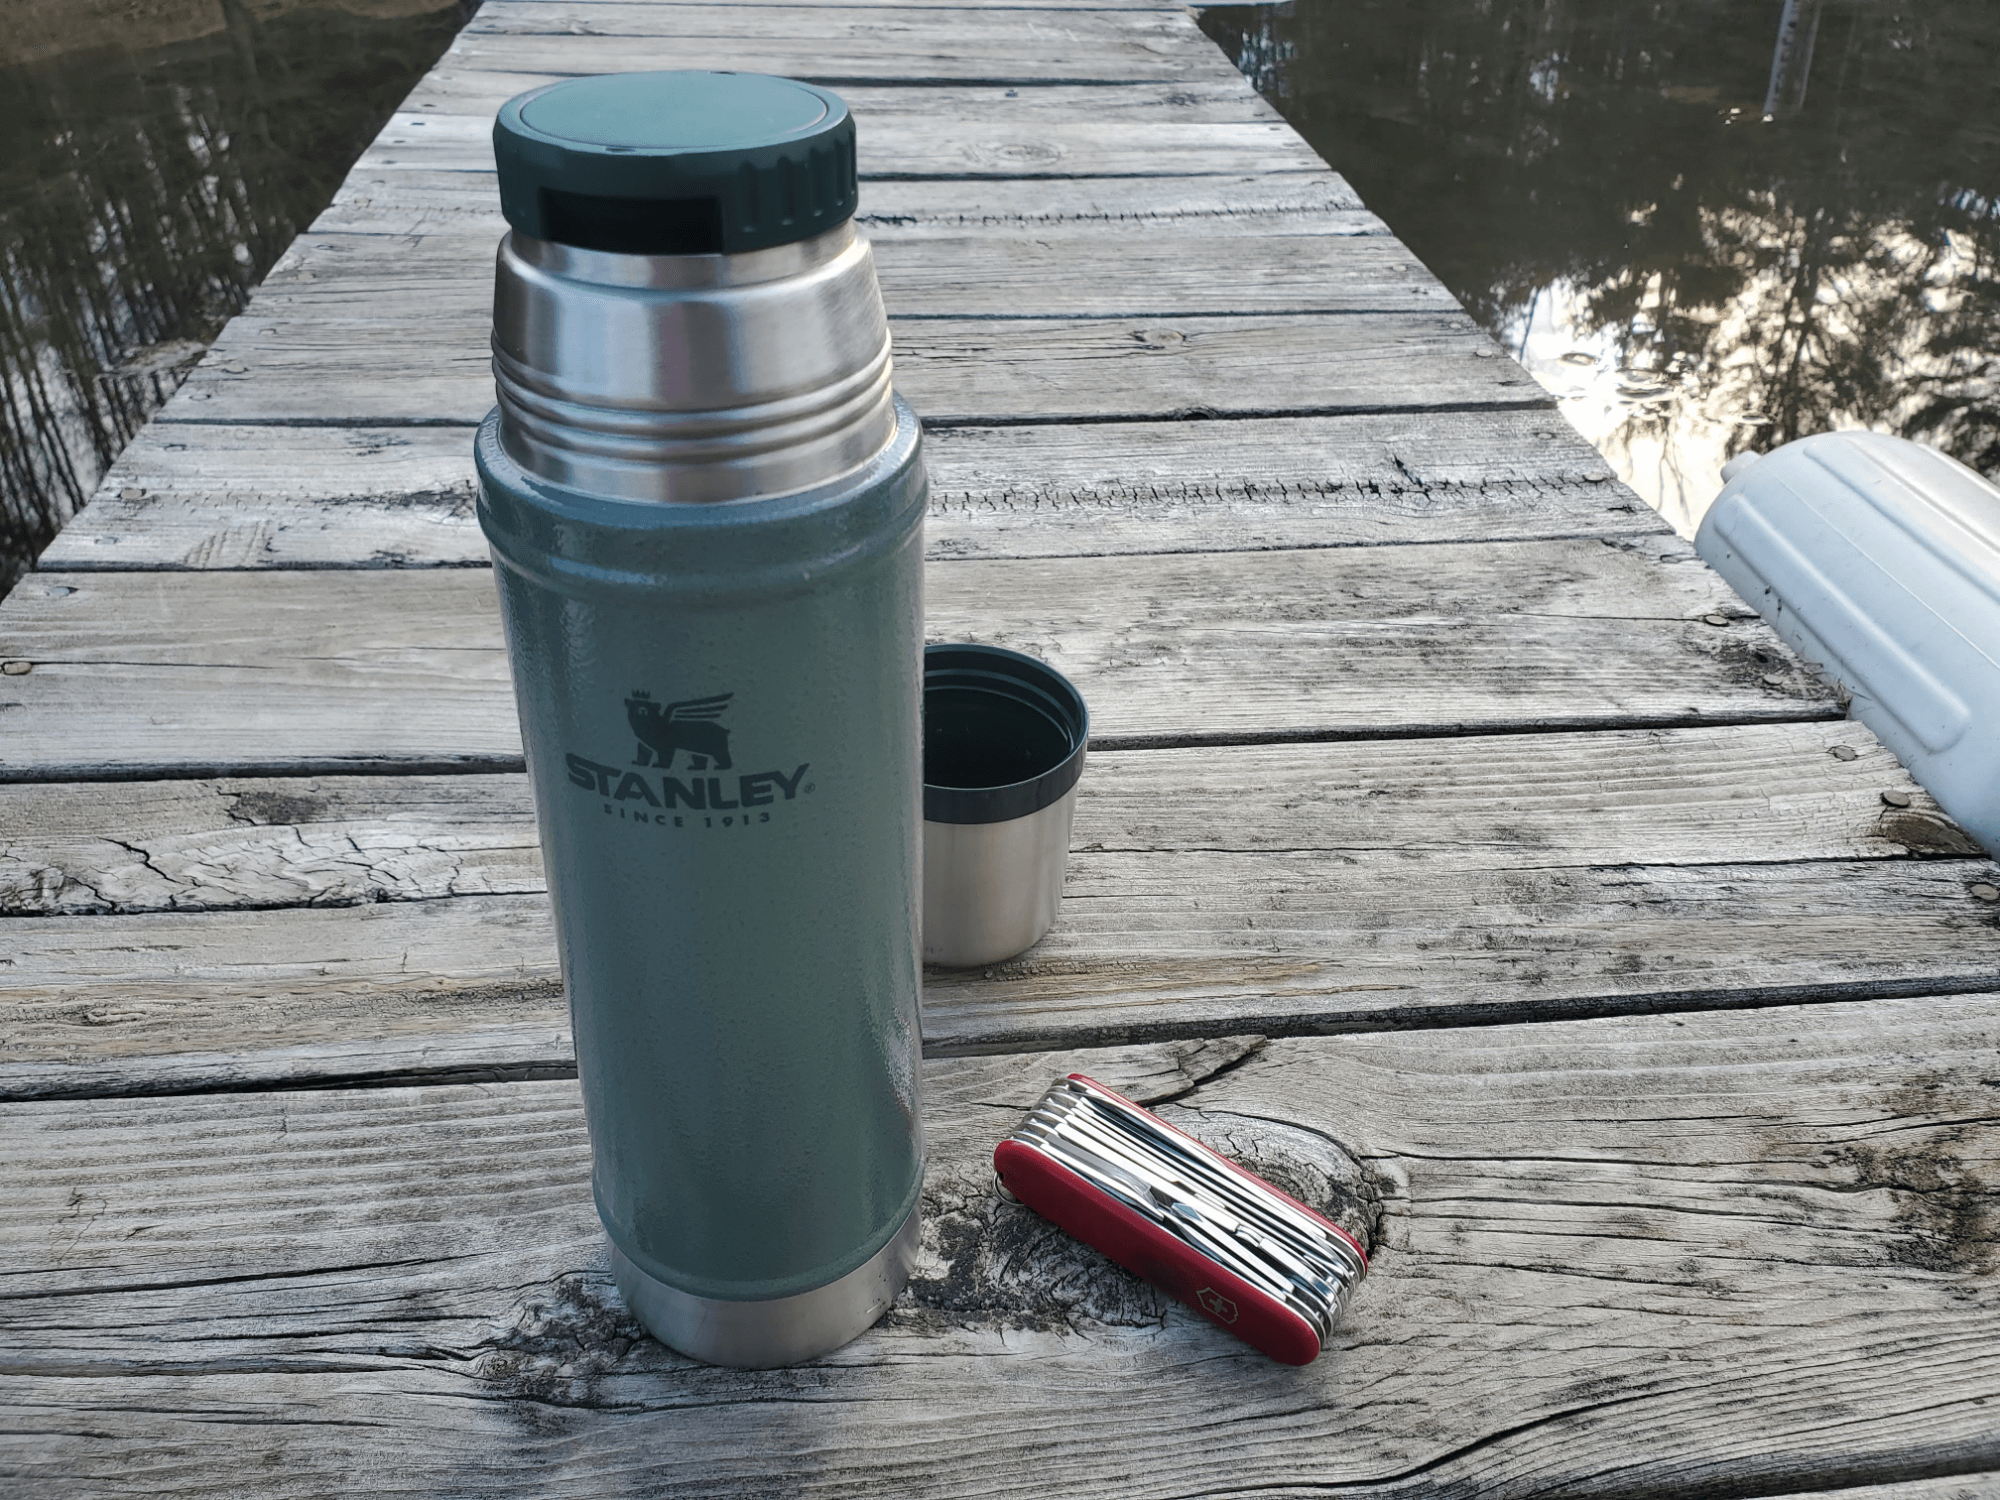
{"x": 1216, "y": 1305}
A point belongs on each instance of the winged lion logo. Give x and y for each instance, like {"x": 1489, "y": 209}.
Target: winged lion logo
{"x": 689, "y": 725}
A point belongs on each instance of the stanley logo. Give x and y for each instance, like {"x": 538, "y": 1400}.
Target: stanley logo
{"x": 664, "y": 731}
{"x": 688, "y": 726}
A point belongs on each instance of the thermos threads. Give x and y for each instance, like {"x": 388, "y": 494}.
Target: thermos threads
{"x": 705, "y": 508}
{"x": 628, "y": 367}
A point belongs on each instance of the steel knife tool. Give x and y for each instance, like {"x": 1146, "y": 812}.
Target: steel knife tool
{"x": 1244, "y": 1255}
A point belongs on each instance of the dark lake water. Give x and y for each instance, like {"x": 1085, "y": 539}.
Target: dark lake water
{"x": 1705, "y": 225}
{"x": 154, "y": 161}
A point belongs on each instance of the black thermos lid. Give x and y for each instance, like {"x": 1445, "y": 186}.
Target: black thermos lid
{"x": 675, "y": 163}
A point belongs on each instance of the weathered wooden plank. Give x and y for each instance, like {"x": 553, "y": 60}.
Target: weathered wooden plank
{"x": 294, "y": 358}
{"x": 454, "y": 95}
{"x": 311, "y": 346}
{"x": 461, "y": 988}
{"x": 1687, "y": 796}
{"x": 1258, "y": 483}
{"x": 415, "y": 201}
{"x": 1305, "y": 941}
{"x": 138, "y": 674}
{"x": 1079, "y": 268}
{"x": 307, "y": 998}
{"x": 957, "y": 130}
{"x": 1951, "y": 1487}
{"x": 1633, "y": 1257}
{"x": 192, "y": 495}
{"x": 68, "y": 847}
{"x": 1027, "y": 139}
{"x": 165, "y": 669}
{"x": 1169, "y": 270}
{"x": 910, "y": 5}
{"x": 914, "y": 5}
{"x": 875, "y": 43}
{"x": 1148, "y": 945}
{"x": 196, "y": 496}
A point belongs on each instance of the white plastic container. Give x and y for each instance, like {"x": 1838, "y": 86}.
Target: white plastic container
{"x": 1878, "y": 561}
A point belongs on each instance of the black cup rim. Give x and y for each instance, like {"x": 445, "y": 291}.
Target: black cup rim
{"x": 996, "y": 669}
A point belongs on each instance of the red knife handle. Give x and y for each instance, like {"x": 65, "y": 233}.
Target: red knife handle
{"x": 1082, "y": 1209}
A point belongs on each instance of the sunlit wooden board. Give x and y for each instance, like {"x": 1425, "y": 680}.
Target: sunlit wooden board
{"x": 1664, "y": 1248}
{"x": 406, "y": 200}
{"x": 191, "y": 673}
{"x": 942, "y": 130}
{"x": 192, "y": 495}
{"x": 376, "y": 358}
{"x": 1077, "y": 267}
{"x": 1742, "y": 794}
{"x": 844, "y": 43}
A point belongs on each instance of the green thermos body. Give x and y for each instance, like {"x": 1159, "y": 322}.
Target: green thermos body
{"x": 705, "y": 509}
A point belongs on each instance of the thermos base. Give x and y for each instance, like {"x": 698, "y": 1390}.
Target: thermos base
{"x": 777, "y": 1330}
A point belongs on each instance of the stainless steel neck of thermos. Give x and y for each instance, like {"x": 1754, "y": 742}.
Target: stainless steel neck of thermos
{"x": 692, "y": 378}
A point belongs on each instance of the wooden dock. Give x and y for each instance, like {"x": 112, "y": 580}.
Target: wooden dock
{"x": 1456, "y": 847}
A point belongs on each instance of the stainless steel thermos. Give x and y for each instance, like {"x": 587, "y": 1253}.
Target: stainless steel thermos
{"x": 704, "y": 504}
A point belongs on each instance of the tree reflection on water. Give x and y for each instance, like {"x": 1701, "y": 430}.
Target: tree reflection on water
{"x": 1706, "y": 226}
{"x": 154, "y": 162}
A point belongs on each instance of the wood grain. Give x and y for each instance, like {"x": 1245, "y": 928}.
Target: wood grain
{"x": 1692, "y": 796}
{"x": 894, "y": 114}
{"x": 1573, "y": 1291}
{"x": 1985, "y": 1486}
{"x": 967, "y": 130}
{"x": 907, "y": 5}
{"x": 875, "y": 43}
{"x": 1162, "y": 945}
{"x": 1187, "y": 268}
{"x": 198, "y": 496}
{"x": 142, "y": 674}
{"x": 1082, "y": 267}
{"x": 1307, "y": 887}
{"x": 414, "y": 201}
{"x": 378, "y": 359}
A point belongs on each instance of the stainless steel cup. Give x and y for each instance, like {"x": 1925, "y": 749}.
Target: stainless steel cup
{"x": 1004, "y": 740}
